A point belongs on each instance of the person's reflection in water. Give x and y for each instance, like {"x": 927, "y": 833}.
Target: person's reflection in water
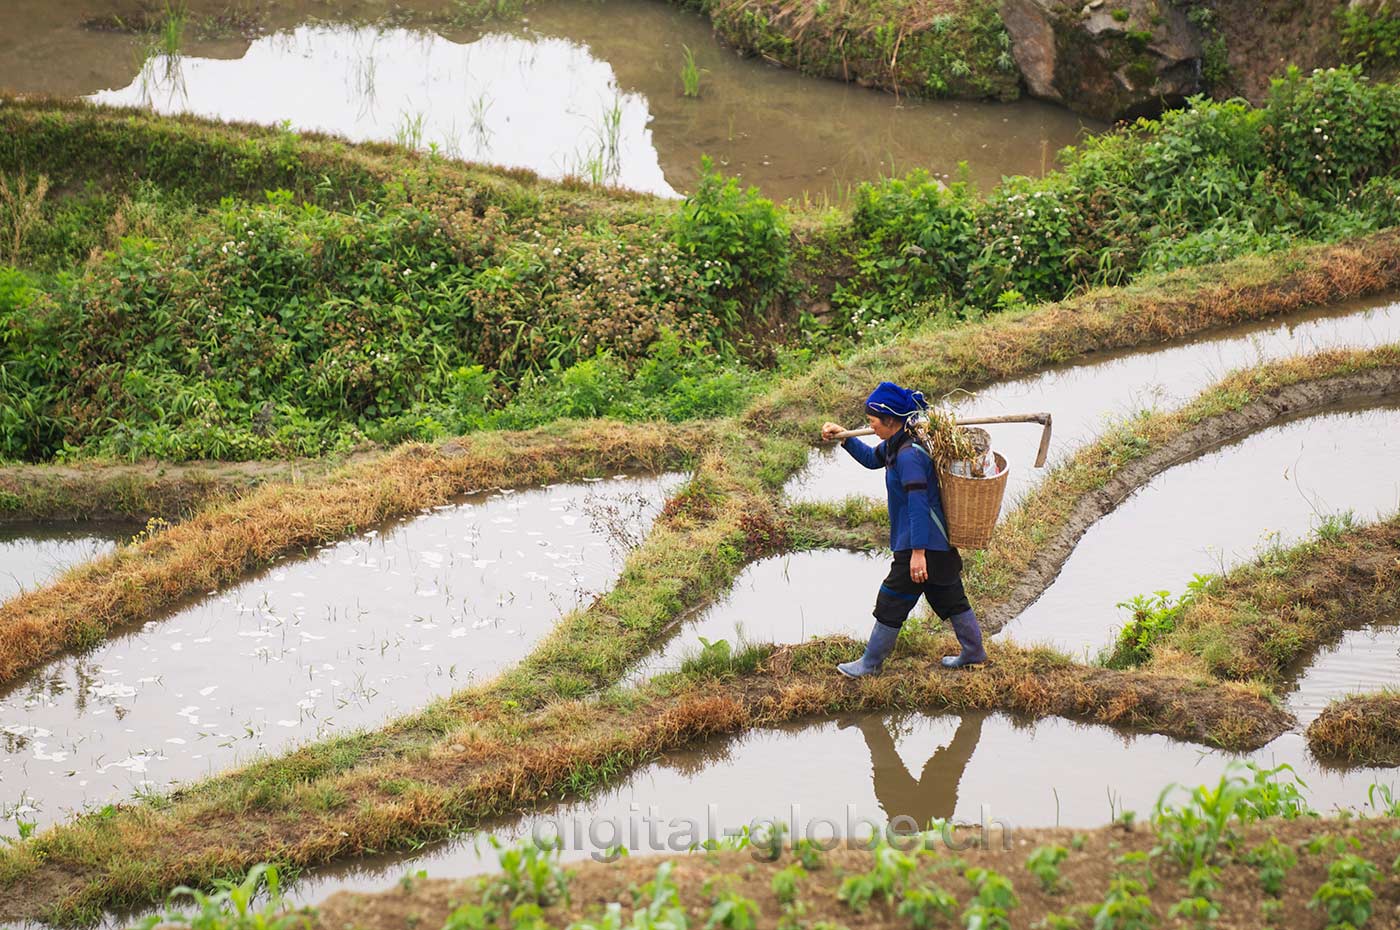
{"x": 935, "y": 793}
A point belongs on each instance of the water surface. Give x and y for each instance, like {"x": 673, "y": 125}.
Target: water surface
{"x": 358, "y": 632}
{"x": 578, "y": 85}
{"x": 841, "y": 776}
{"x": 32, "y": 554}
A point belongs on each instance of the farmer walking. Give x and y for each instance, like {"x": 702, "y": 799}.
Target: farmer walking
{"x": 924, "y": 562}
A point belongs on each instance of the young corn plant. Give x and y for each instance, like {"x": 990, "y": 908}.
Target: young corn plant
{"x": 1193, "y": 832}
{"x": 530, "y": 873}
{"x": 232, "y": 906}
{"x": 887, "y": 878}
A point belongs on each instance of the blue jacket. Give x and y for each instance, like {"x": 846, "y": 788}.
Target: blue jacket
{"x": 911, "y": 484}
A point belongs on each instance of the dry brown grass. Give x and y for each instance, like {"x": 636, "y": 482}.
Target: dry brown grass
{"x": 91, "y": 490}
{"x": 1358, "y": 730}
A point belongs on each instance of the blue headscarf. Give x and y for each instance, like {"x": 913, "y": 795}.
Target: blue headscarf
{"x": 891, "y": 400}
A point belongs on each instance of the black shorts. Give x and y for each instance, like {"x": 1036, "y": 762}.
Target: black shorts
{"x": 944, "y": 589}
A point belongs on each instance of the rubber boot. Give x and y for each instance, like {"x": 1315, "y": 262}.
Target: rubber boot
{"x": 880, "y": 646}
{"x": 969, "y": 634}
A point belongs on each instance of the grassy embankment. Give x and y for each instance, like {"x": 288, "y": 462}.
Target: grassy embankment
{"x": 476, "y": 755}
{"x": 957, "y": 49}
{"x": 241, "y": 292}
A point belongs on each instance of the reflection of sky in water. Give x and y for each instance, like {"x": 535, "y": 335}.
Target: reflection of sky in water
{"x": 540, "y": 103}
{"x": 1039, "y": 774}
{"x": 1214, "y": 512}
{"x": 1363, "y": 661}
{"x": 32, "y": 557}
{"x": 362, "y": 630}
{"x": 1083, "y": 398}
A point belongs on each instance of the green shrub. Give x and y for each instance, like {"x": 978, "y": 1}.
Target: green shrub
{"x": 1333, "y": 130}
{"x": 1370, "y": 37}
{"x": 736, "y": 241}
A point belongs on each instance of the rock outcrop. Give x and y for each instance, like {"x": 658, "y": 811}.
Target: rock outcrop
{"x": 1107, "y": 58}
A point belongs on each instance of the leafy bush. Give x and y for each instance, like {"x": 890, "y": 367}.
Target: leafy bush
{"x": 1333, "y": 130}
{"x": 1370, "y": 36}
{"x": 735, "y": 240}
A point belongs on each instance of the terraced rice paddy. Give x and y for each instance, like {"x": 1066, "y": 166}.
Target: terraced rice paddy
{"x": 344, "y": 638}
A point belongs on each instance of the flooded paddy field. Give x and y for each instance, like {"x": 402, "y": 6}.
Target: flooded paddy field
{"x": 32, "y": 554}
{"x": 355, "y": 633}
{"x": 865, "y": 770}
{"x": 1204, "y": 516}
{"x": 1364, "y": 661}
{"x": 1207, "y": 515}
{"x": 1084, "y": 397}
{"x": 578, "y": 88}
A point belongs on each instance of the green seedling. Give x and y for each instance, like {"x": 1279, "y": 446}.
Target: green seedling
{"x": 785, "y": 882}
{"x": 1124, "y": 907}
{"x": 926, "y": 905}
{"x": 1273, "y": 861}
{"x": 1044, "y": 864}
{"x": 1346, "y": 896}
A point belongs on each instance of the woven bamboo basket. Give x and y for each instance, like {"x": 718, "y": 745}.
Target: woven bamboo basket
{"x": 972, "y": 505}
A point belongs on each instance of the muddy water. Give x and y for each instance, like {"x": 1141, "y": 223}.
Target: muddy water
{"x": 1084, "y": 397}
{"x": 359, "y": 631}
{"x": 33, "y": 554}
{"x": 1218, "y": 511}
{"x": 871, "y": 769}
{"x": 536, "y": 94}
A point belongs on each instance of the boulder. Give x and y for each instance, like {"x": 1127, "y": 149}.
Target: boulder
{"x": 1111, "y": 59}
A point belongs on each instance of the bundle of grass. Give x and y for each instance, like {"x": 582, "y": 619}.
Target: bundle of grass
{"x": 947, "y": 442}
